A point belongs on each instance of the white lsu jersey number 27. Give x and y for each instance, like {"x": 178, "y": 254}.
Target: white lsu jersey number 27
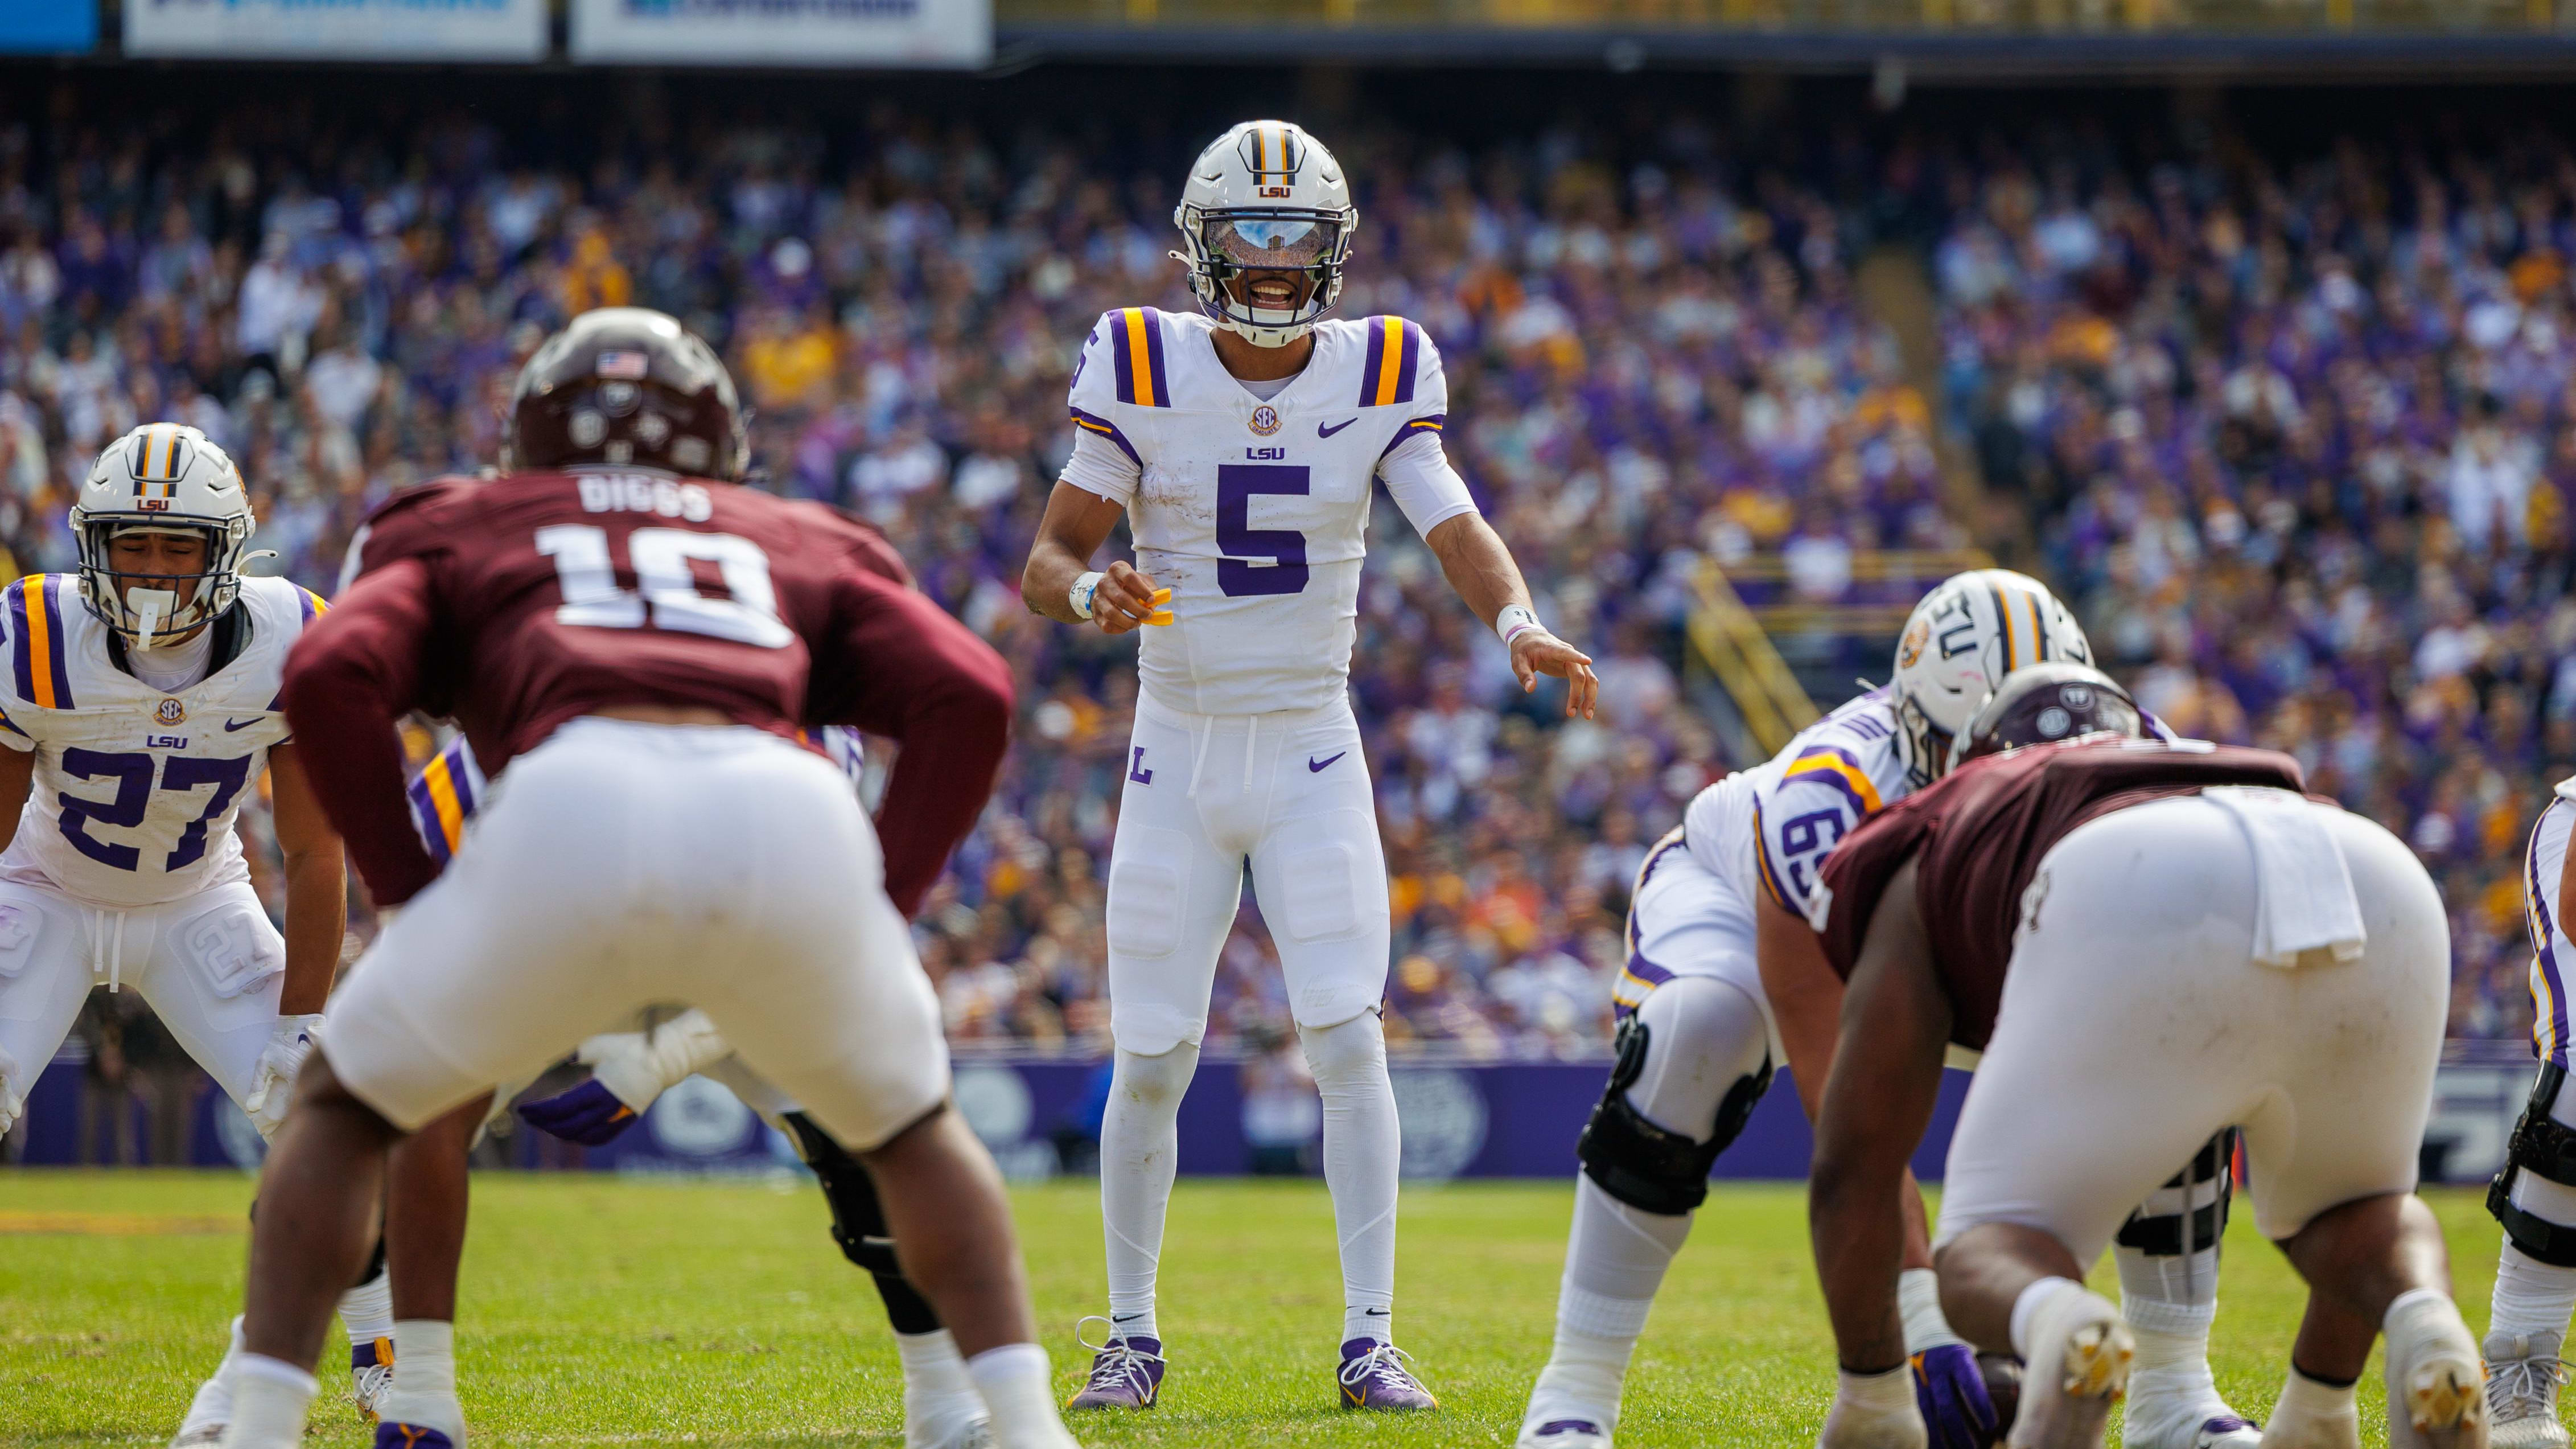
{"x": 1253, "y": 511}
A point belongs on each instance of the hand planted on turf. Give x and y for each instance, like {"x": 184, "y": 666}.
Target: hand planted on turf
{"x": 272, "y": 1081}
{"x": 1536, "y": 652}
{"x": 1874, "y": 1411}
{"x": 1127, "y": 598}
{"x": 628, "y": 1070}
{"x": 1950, "y": 1389}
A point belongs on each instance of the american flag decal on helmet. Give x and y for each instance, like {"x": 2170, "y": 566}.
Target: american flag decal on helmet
{"x": 158, "y": 460}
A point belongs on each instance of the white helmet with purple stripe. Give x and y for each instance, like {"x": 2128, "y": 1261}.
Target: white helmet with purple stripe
{"x": 1967, "y": 634}
{"x": 1266, "y": 220}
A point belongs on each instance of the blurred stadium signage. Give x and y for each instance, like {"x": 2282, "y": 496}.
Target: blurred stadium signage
{"x": 950, "y": 33}
{"x": 337, "y": 29}
{"x": 48, "y": 27}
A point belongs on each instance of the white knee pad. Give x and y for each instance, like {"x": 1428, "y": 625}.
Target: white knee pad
{"x": 1155, "y": 1083}
{"x": 1350, "y": 1052}
{"x": 1702, "y": 1037}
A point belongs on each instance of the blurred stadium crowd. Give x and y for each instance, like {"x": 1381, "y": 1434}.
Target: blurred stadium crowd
{"x": 2295, "y": 437}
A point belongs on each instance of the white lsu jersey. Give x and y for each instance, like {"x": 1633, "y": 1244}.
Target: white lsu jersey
{"x": 1767, "y": 830}
{"x": 136, "y": 789}
{"x": 1254, "y": 512}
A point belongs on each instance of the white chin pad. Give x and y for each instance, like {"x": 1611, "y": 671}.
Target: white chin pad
{"x": 152, "y": 610}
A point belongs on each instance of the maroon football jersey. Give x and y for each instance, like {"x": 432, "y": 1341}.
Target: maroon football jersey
{"x": 1980, "y": 833}
{"x": 516, "y": 604}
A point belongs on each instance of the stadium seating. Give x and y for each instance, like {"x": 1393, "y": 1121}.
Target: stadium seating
{"x": 2223, "y": 393}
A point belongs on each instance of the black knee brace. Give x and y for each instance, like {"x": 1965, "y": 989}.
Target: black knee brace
{"x": 2545, "y": 1146}
{"x": 1643, "y": 1165}
{"x": 2162, "y": 1235}
{"x": 859, "y": 1225}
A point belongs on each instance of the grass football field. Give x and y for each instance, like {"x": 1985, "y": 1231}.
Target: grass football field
{"x": 602, "y": 1310}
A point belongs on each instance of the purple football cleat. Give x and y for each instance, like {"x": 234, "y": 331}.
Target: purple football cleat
{"x": 589, "y": 1114}
{"x": 410, "y": 1436}
{"x": 1374, "y": 1377}
{"x": 1126, "y": 1373}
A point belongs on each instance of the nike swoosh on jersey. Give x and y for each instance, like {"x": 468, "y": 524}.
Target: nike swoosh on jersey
{"x": 1324, "y": 432}
{"x": 232, "y": 725}
{"x": 1317, "y": 767}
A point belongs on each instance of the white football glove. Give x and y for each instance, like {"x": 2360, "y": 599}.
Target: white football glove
{"x": 11, "y": 1104}
{"x": 639, "y": 1066}
{"x": 1874, "y": 1411}
{"x": 272, "y": 1082}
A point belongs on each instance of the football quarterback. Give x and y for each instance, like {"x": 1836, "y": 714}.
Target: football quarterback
{"x": 1243, "y": 445}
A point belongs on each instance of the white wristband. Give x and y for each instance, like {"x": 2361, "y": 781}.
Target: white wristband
{"x": 1083, "y": 588}
{"x": 1514, "y": 619}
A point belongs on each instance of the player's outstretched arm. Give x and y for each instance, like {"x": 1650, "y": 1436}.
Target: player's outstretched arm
{"x": 1480, "y": 568}
{"x": 1877, "y": 1101}
{"x": 317, "y": 915}
{"x": 1117, "y": 599}
{"x": 317, "y": 884}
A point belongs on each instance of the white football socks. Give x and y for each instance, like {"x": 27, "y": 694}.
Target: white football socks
{"x": 1363, "y": 1157}
{"x": 2311, "y": 1415}
{"x": 367, "y": 1311}
{"x": 1014, "y": 1382}
{"x": 271, "y": 1400}
{"x": 424, "y": 1392}
{"x": 2531, "y": 1297}
{"x": 1139, "y": 1145}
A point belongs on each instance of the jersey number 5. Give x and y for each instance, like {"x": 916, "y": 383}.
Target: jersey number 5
{"x": 666, "y": 594}
{"x": 1283, "y": 550}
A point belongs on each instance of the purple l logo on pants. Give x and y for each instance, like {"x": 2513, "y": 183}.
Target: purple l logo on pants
{"x": 1137, "y": 771}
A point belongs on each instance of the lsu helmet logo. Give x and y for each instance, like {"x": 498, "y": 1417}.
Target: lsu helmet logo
{"x": 1910, "y": 648}
{"x": 1265, "y": 420}
{"x": 171, "y": 712}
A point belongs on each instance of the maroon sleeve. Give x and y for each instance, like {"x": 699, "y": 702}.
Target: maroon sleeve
{"x": 356, "y": 670}
{"x": 1856, "y": 874}
{"x": 905, "y": 670}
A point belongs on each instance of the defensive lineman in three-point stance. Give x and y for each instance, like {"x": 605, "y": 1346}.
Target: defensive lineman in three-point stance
{"x": 1242, "y": 445}
{"x": 139, "y": 703}
{"x": 1717, "y": 912}
{"x": 2148, "y": 941}
{"x": 2535, "y": 1196}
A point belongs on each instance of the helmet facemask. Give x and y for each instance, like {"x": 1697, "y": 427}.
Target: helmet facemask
{"x": 151, "y": 610}
{"x": 1267, "y": 274}
{"x": 1925, "y": 747}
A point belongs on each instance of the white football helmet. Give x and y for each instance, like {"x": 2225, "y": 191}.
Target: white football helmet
{"x": 161, "y": 478}
{"x": 1265, "y": 197}
{"x": 1959, "y": 643}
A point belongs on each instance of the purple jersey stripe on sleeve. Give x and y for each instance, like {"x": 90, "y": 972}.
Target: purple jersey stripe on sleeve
{"x": 1095, "y": 423}
{"x": 1376, "y": 360}
{"x": 1408, "y": 363}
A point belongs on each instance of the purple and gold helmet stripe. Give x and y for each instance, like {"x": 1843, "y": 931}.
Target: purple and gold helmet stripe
{"x": 1095, "y": 423}
{"x": 1427, "y": 423}
{"x": 44, "y": 677}
{"x": 1836, "y": 767}
{"x": 2548, "y": 986}
{"x": 1138, "y": 337}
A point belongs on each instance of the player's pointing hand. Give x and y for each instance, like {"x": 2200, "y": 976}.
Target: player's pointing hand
{"x": 1127, "y": 598}
{"x": 1536, "y": 652}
